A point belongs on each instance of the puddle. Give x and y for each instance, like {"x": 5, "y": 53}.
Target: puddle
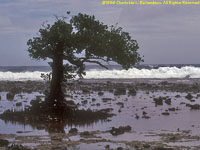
{"x": 100, "y": 146}
{"x": 188, "y": 143}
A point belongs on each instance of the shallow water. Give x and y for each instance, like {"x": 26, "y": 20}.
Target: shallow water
{"x": 126, "y": 107}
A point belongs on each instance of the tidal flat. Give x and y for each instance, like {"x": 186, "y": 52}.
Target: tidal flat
{"x": 147, "y": 114}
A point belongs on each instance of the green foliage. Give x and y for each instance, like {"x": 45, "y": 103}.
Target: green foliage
{"x": 82, "y": 40}
{"x": 47, "y": 77}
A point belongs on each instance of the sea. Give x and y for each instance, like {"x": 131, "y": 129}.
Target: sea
{"x": 24, "y": 73}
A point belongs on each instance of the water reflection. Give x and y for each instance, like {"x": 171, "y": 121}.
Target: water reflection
{"x": 55, "y": 124}
{"x": 182, "y": 118}
{"x": 55, "y": 127}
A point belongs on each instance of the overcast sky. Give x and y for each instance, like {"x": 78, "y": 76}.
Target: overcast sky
{"x": 166, "y": 34}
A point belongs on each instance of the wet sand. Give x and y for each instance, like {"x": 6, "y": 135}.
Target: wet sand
{"x": 162, "y": 114}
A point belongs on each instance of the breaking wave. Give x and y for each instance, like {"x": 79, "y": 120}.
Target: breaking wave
{"x": 20, "y": 76}
{"x": 161, "y": 72}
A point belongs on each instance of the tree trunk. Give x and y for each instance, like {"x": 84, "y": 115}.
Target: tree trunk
{"x": 55, "y": 99}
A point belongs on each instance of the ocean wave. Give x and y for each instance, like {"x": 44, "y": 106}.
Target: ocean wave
{"x": 162, "y": 72}
{"x": 20, "y": 76}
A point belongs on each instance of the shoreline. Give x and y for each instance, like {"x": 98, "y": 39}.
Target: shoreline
{"x": 148, "y": 80}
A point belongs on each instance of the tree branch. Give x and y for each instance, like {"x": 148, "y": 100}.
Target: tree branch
{"x": 96, "y": 62}
{"x": 85, "y": 58}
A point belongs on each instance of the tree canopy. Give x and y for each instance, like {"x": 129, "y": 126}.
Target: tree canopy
{"x": 83, "y": 39}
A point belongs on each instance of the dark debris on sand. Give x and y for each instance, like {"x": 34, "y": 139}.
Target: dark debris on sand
{"x": 121, "y": 130}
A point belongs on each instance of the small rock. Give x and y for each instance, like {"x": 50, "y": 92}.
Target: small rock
{"x": 86, "y": 91}
{"x": 144, "y": 113}
{"x": 182, "y": 103}
{"x": 120, "y": 91}
{"x": 198, "y": 95}
{"x": 84, "y": 102}
{"x": 146, "y": 117}
{"x": 85, "y": 133}
{"x": 10, "y": 96}
{"x": 168, "y": 101}
{"x": 132, "y": 92}
{"x": 19, "y": 104}
{"x": 120, "y": 148}
{"x": 120, "y": 104}
{"x": 98, "y": 104}
{"x": 93, "y": 99}
{"x": 100, "y": 93}
{"x": 189, "y": 96}
{"x": 73, "y": 131}
{"x": 195, "y": 106}
{"x": 147, "y": 146}
{"x": 136, "y": 116}
{"x": 3, "y": 143}
{"x": 173, "y": 138}
{"x": 107, "y": 147}
{"x": 106, "y": 99}
{"x": 121, "y": 130}
{"x": 19, "y": 132}
{"x": 172, "y": 109}
{"x": 136, "y": 147}
{"x": 165, "y": 113}
{"x": 177, "y": 96}
{"x": 192, "y": 100}
{"x": 158, "y": 101}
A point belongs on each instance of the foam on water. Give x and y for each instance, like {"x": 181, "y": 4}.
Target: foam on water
{"x": 161, "y": 72}
{"x": 20, "y": 76}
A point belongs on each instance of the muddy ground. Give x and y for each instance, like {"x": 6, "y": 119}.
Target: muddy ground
{"x": 149, "y": 114}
